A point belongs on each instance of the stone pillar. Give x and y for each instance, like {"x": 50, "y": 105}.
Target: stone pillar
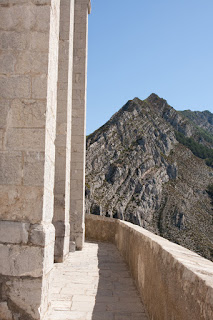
{"x": 78, "y": 149}
{"x": 29, "y": 37}
{"x": 63, "y": 131}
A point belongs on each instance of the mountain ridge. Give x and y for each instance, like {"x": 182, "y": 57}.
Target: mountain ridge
{"x": 137, "y": 170}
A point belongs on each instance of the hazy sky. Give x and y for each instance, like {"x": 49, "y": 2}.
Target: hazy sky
{"x": 137, "y": 47}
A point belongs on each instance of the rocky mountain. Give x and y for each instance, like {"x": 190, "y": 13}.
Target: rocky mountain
{"x": 152, "y": 166}
{"x": 203, "y": 120}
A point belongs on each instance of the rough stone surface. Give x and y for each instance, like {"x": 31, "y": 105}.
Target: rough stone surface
{"x": 21, "y": 260}
{"x": 94, "y": 284}
{"x": 13, "y": 232}
{"x": 5, "y": 313}
{"x": 26, "y": 294}
{"x": 102, "y": 229}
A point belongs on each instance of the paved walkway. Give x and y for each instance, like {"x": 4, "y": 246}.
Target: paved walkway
{"x": 94, "y": 284}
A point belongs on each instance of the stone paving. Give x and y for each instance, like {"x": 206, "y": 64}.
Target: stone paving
{"x": 94, "y": 284}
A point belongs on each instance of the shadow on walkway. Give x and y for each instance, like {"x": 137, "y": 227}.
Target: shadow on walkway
{"x": 117, "y": 297}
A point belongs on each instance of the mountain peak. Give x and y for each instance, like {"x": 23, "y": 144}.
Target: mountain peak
{"x": 153, "y": 97}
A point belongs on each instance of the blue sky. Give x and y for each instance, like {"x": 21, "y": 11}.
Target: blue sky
{"x": 137, "y": 47}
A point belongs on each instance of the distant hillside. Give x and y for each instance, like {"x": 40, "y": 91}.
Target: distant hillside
{"x": 203, "y": 120}
{"x": 152, "y": 166}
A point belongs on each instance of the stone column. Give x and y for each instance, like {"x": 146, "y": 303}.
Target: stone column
{"x": 29, "y": 37}
{"x": 63, "y": 131}
{"x": 78, "y": 149}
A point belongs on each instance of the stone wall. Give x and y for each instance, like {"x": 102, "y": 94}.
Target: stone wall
{"x": 28, "y": 81}
{"x": 36, "y": 87}
{"x": 174, "y": 282}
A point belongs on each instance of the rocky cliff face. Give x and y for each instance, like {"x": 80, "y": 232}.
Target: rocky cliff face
{"x": 136, "y": 170}
{"x": 203, "y": 119}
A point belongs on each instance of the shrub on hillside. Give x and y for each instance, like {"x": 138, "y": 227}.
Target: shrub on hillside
{"x": 197, "y": 149}
{"x": 210, "y": 190}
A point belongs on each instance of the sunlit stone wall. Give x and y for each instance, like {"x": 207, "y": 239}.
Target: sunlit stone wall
{"x": 36, "y": 89}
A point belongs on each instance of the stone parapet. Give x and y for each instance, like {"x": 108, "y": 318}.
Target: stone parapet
{"x": 174, "y": 282}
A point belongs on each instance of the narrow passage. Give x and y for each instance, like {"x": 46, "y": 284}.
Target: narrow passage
{"x": 94, "y": 284}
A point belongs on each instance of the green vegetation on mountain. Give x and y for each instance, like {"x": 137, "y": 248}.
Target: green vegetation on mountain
{"x": 210, "y": 190}
{"x": 203, "y": 124}
{"x": 197, "y": 149}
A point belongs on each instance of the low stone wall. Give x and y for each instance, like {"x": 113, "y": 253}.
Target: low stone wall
{"x": 174, "y": 283}
{"x": 100, "y": 228}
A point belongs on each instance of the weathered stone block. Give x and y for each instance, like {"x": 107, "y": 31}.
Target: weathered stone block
{"x": 14, "y": 232}
{"x": 61, "y": 248}
{"x": 77, "y": 130}
{"x": 1, "y": 139}
{"x": 78, "y": 147}
{"x": 61, "y": 141}
{"x": 79, "y": 95}
{"x": 39, "y": 87}
{"x": 33, "y": 169}
{"x": 79, "y": 240}
{"x": 39, "y": 42}
{"x": 21, "y": 260}
{"x": 77, "y": 157}
{"x": 26, "y": 293}
{"x": 15, "y": 87}
{"x": 76, "y": 185}
{"x": 77, "y": 205}
{"x": 31, "y": 62}
{"x": 26, "y": 139}
{"x": 27, "y": 113}
{"x": 5, "y": 313}
{"x": 42, "y": 234}
{"x": 13, "y": 40}
{"x": 59, "y": 213}
{"x": 77, "y": 174}
{"x": 11, "y": 168}
{"x": 79, "y": 107}
{"x": 61, "y": 228}
{"x": 25, "y": 17}
{"x": 21, "y": 203}
{"x": 7, "y": 62}
{"x": 4, "y": 110}
{"x": 63, "y": 50}
{"x": 77, "y": 165}
{"x": 60, "y": 187}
